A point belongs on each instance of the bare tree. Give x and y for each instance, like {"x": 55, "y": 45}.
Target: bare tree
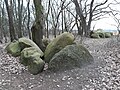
{"x": 4, "y": 24}
{"x": 20, "y": 8}
{"x": 10, "y": 16}
{"x": 47, "y": 20}
{"x": 56, "y": 17}
{"x": 67, "y": 20}
{"x": 87, "y": 16}
{"x": 56, "y": 13}
{"x": 115, "y": 13}
{"x": 37, "y": 28}
{"x": 28, "y": 23}
{"x": 1, "y": 33}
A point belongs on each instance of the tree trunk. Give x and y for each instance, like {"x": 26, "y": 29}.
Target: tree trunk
{"x": 4, "y": 25}
{"x": 80, "y": 14}
{"x": 1, "y": 33}
{"x": 78, "y": 23}
{"x": 47, "y": 31}
{"x": 10, "y": 17}
{"x": 37, "y": 28}
{"x": 65, "y": 23}
{"x": 62, "y": 20}
{"x": 28, "y": 23}
{"x": 88, "y": 30}
{"x": 20, "y": 6}
{"x": 90, "y": 18}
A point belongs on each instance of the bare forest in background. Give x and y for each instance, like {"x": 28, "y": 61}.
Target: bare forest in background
{"x": 38, "y": 19}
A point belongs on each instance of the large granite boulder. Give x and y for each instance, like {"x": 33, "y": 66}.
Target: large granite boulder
{"x": 13, "y": 48}
{"x": 46, "y": 41}
{"x": 28, "y": 54}
{"x": 25, "y": 42}
{"x": 57, "y": 44}
{"x": 101, "y": 34}
{"x": 69, "y": 57}
{"x": 16, "y": 47}
{"x": 95, "y": 35}
{"x": 36, "y": 66}
{"x": 31, "y": 57}
{"x": 107, "y": 35}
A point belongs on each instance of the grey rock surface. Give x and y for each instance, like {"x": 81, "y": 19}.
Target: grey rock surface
{"x": 70, "y": 57}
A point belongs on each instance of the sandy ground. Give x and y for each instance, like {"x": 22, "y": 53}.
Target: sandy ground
{"x": 103, "y": 74}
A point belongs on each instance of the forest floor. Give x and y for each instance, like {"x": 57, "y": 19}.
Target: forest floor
{"x": 103, "y": 74}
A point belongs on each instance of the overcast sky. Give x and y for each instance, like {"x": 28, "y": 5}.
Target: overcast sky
{"x": 107, "y": 23}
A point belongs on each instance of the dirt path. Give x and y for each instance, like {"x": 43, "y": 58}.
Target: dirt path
{"x": 103, "y": 74}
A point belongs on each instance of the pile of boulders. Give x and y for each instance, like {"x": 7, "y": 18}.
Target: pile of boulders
{"x": 30, "y": 54}
{"x": 100, "y": 34}
{"x": 60, "y": 54}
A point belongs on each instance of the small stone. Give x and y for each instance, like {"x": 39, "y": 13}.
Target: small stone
{"x": 54, "y": 81}
{"x": 67, "y": 86}
{"x": 31, "y": 86}
{"x": 49, "y": 76}
{"x": 77, "y": 78}
{"x": 64, "y": 78}
{"x": 68, "y": 83}
{"x": 3, "y": 74}
{"x": 87, "y": 86}
{"x": 70, "y": 78}
{"x": 58, "y": 85}
{"x": 118, "y": 55}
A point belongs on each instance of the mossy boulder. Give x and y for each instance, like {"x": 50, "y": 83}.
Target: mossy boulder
{"x": 25, "y": 43}
{"x": 13, "y": 48}
{"x": 107, "y": 35}
{"x": 46, "y": 41}
{"x": 36, "y": 66}
{"x": 101, "y": 34}
{"x": 57, "y": 44}
{"x": 28, "y": 54}
{"x": 16, "y": 47}
{"x": 69, "y": 57}
{"x": 95, "y": 35}
{"x": 98, "y": 34}
{"x": 111, "y": 33}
